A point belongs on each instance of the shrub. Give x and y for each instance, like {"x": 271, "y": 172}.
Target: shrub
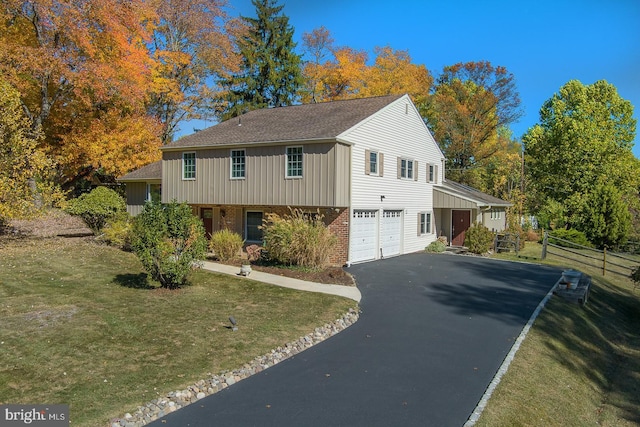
{"x": 298, "y": 239}
{"x": 568, "y": 237}
{"x": 532, "y": 236}
{"x": 478, "y": 239}
{"x": 117, "y": 231}
{"x": 225, "y": 244}
{"x": 437, "y": 246}
{"x": 168, "y": 239}
{"x": 97, "y": 207}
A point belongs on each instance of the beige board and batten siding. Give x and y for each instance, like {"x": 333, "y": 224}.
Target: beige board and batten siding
{"x": 448, "y": 201}
{"x": 325, "y": 180}
{"x": 395, "y": 131}
{"x": 136, "y": 197}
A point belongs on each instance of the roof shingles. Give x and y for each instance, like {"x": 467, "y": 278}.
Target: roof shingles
{"x": 305, "y": 122}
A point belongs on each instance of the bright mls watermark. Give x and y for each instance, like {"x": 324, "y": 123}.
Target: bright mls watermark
{"x": 34, "y": 415}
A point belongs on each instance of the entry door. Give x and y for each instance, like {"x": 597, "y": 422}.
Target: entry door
{"x": 206, "y": 215}
{"x": 390, "y": 232}
{"x": 364, "y": 225}
{"x": 460, "y": 223}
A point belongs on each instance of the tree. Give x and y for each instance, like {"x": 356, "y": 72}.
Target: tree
{"x": 343, "y": 73}
{"x": 189, "y": 45}
{"x": 82, "y": 70}
{"x": 270, "y": 72}
{"x": 168, "y": 239}
{"x": 318, "y": 44}
{"x": 583, "y": 140}
{"x": 470, "y": 103}
{"x": 22, "y": 166}
{"x": 604, "y": 216}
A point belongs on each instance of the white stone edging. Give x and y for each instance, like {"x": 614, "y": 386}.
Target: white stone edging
{"x": 175, "y": 400}
{"x": 475, "y": 415}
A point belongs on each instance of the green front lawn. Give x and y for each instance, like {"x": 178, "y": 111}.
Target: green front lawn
{"x": 579, "y": 366}
{"x": 81, "y": 325}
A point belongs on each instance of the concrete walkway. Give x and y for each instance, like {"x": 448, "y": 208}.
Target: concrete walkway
{"x": 351, "y": 292}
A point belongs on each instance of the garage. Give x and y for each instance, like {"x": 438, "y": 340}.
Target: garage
{"x": 390, "y": 233}
{"x": 364, "y": 225}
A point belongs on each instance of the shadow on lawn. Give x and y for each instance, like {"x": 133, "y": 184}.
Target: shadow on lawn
{"x": 133, "y": 281}
{"x": 604, "y": 334}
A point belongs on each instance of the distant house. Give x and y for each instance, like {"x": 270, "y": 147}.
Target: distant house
{"x": 369, "y": 166}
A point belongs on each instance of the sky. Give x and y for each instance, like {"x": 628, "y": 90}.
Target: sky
{"x": 543, "y": 43}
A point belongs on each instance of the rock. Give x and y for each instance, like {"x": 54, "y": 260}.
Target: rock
{"x": 178, "y": 399}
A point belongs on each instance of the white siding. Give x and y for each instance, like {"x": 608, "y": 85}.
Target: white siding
{"x": 395, "y": 131}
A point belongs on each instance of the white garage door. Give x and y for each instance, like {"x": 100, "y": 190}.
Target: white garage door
{"x": 363, "y": 235}
{"x": 390, "y": 232}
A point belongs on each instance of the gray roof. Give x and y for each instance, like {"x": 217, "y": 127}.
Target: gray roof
{"x": 149, "y": 172}
{"x": 477, "y": 196}
{"x": 321, "y": 121}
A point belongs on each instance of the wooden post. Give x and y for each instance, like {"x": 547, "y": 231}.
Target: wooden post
{"x": 544, "y": 244}
{"x": 604, "y": 262}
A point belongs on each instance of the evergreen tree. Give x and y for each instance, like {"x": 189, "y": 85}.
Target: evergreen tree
{"x": 270, "y": 75}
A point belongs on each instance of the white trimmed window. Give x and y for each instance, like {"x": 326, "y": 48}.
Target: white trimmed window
{"x": 432, "y": 173}
{"x": 407, "y": 168}
{"x": 373, "y": 163}
{"x": 189, "y": 165}
{"x": 424, "y": 223}
{"x": 154, "y": 193}
{"x": 294, "y": 162}
{"x": 237, "y": 164}
{"x": 496, "y": 214}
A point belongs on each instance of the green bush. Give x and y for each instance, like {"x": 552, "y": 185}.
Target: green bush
{"x": 168, "y": 239}
{"x": 437, "y": 246}
{"x": 571, "y": 236}
{"x": 117, "y": 231}
{"x": 97, "y": 207}
{"x": 478, "y": 239}
{"x": 298, "y": 239}
{"x": 225, "y": 244}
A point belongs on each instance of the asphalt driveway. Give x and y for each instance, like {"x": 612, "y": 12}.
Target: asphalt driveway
{"x": 433, "y": 331}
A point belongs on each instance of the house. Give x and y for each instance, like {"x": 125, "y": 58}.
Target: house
{"x": 369, "y": 166}
{"x": 457, "y": 206}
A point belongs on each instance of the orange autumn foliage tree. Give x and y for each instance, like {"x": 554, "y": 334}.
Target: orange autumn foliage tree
{"x": 470, "y": 104}
{"x": 190, "y": 44}
{"x": 344, "y": 73}
{"x": 82, "y": 71}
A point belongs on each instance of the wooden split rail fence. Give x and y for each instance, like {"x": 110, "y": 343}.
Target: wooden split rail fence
{"x": 607, "y": 261}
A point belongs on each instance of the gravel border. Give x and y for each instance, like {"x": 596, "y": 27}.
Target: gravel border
{"x": 175, "y": 400}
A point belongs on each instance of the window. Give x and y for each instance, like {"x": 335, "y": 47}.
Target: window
{"x": 406, "y": 169}
{"x": 424, "y": 223}
{"x": 432, "y": 173}
{"x": 188, "y": 165}
{"x": 294, "y": 162}
{"x": 153, "y": 193}
{"x": 252, "y": 230}
{"x": 496, "y": 214}
{"x": 373, "y": 162}
{"x": 237, "y": 164}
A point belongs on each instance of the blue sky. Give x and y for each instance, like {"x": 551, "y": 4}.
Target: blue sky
{"x": 544, "y": 43}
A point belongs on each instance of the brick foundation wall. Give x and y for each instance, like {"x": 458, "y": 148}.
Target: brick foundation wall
{"x": 336, "y": 219}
